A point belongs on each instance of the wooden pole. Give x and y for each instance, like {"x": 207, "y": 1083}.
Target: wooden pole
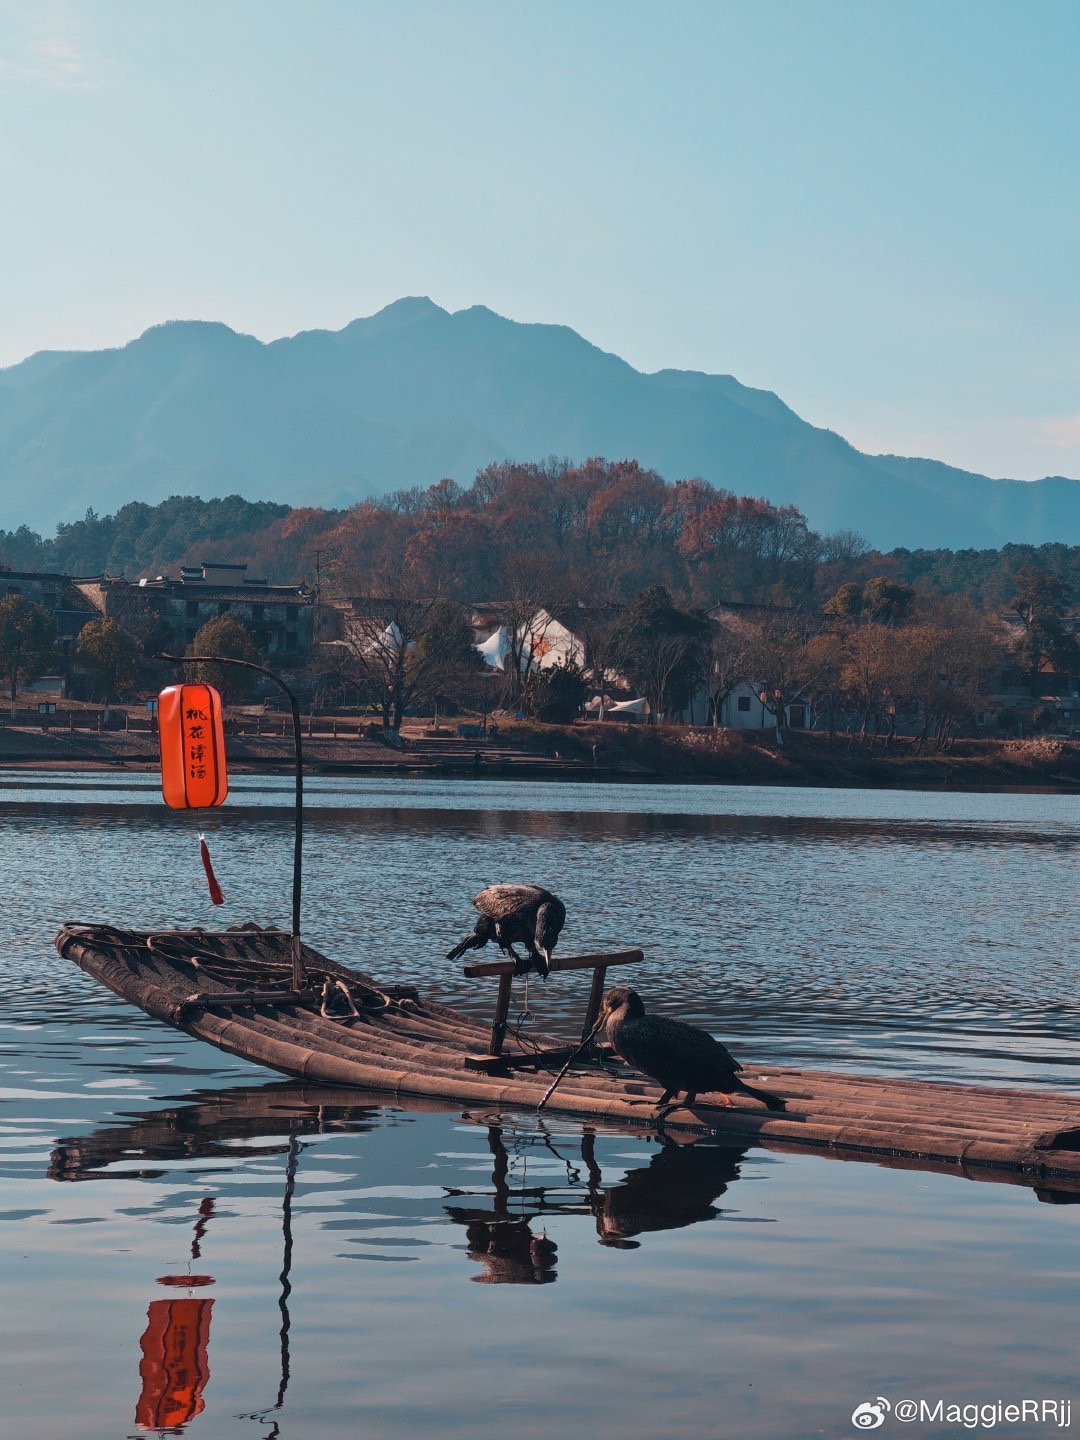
{"x": 596, "y": 995}
{"x": 502, "y": 1012}
{"x": 590, "y": 1035}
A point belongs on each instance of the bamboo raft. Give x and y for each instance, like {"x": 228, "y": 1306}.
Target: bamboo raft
{"x": 343, "y": 1028}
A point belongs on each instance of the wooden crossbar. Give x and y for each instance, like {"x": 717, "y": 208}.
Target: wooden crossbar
{"x": 558, "y": 962}
{"x": 506, "y": 970}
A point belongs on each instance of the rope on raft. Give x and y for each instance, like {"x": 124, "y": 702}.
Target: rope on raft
{"x": 267, "y": 970}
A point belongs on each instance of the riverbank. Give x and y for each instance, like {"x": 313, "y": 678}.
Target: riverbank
{"x": 595, "y": 752}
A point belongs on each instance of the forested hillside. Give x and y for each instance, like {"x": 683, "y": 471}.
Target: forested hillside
{"x": 599, "y": 532}
{"x": 139, "y": 538}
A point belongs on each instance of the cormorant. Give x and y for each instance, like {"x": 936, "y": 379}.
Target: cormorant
{"x": 678, "y": 1056}
{"x": 526, "y": 915}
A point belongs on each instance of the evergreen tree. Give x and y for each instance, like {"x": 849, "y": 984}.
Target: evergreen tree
{"x": 227, "y": 636}
{"x": 1040, "y": 603}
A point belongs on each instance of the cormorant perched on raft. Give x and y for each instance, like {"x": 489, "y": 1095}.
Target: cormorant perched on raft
{"x": 526, "y": 915}
{"x": 678, "y": 1056}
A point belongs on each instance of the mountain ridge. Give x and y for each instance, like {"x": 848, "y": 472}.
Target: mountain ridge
{"x": 415, "y": 393}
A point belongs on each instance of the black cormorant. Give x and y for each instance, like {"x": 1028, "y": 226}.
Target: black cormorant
{"x": 678, "y": 1056}
{"x": 525, "y": 915}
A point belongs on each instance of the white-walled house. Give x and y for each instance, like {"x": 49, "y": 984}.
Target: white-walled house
{"x": 743, "y": 709}
{"x": 548, "y": 642}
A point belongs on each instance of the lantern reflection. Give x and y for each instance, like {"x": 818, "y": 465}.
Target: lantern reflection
{"x": 174, "y": 1368}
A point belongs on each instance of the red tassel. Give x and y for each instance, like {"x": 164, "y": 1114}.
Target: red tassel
{"x": 217, "y": 895}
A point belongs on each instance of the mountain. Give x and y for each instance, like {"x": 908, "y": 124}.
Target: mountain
{"x": 414, "y": 393}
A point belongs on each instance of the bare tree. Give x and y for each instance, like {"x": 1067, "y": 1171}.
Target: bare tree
{"x": 387, "y": 619}
{"x": 600, "y": 631}
{"x": 874, "y": 677}
{"x": 949, "y": 656}
{"x": 825, "y": 656}
{"x": 727, "y": 660}
{"x": 778, "y": 664}
{"x": 533, "y": 593}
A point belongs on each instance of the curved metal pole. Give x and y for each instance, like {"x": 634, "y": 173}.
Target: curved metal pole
{"x": 298, "y": 842}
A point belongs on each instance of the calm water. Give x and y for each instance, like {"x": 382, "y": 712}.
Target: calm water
{"x": 325, "y": 1265}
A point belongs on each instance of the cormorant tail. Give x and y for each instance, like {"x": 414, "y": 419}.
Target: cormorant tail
{"x": 471, "y": 942}
{"x": 767, "y": 1098}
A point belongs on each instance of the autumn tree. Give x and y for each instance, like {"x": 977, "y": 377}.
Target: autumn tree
{"x": 825, "y": 660}
{"x": 875, "y": 677}
{"x": 950, "y": 653}
{"x": 27, "y": 643}
{"x": 742, "y": 545}
{"x": 110, "y": 655}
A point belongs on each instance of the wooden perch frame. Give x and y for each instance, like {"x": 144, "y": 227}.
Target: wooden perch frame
{"x": 506, "y": 970}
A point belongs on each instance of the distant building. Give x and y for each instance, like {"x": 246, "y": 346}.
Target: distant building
{"x": 744, "y": 709}
{"x": 58, "y": 594}
{"x": 279, "y": 618}
{"x": 543, "y": 643}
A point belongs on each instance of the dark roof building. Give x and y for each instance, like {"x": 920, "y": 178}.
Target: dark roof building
{"x": 279, "y": 618}
{"x": 58, "y": 594}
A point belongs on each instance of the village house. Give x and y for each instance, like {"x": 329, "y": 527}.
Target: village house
{"x": 279, "y": 618}
{"x": 744, "y": 709}
{"x": 544, "y": 641}
{"x": 59, "y": 595}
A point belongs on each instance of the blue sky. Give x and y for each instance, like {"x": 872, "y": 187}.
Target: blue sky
{"x": 871, "y": 208}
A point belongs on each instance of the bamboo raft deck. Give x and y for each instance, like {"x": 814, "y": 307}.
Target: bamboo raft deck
{"x": 234, "y": 990}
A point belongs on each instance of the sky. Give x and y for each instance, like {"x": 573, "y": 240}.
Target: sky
{"x": 870, "y": 208}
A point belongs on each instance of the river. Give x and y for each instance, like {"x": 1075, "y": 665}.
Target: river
{"x": 316, "y": 1253}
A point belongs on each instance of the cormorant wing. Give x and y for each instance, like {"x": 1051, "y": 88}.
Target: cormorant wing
{"x": 499, "y": 902}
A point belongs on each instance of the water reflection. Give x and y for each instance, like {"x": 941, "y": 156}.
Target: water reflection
{"x": 175, "y": 1366}
{"x": 212, "y": 1126}
{"x": 677, "y": 1186}
{"x": 554, "y": 823}
{"x": 504, "y": 1216}
{"x": 893, "y": 934}
{"x": 675, "y": 1189}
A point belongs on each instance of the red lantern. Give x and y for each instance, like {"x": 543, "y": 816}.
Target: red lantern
{"x": 191, "y": 731}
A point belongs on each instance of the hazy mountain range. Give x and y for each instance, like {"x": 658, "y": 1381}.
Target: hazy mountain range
{"x": 414, "y": 393}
